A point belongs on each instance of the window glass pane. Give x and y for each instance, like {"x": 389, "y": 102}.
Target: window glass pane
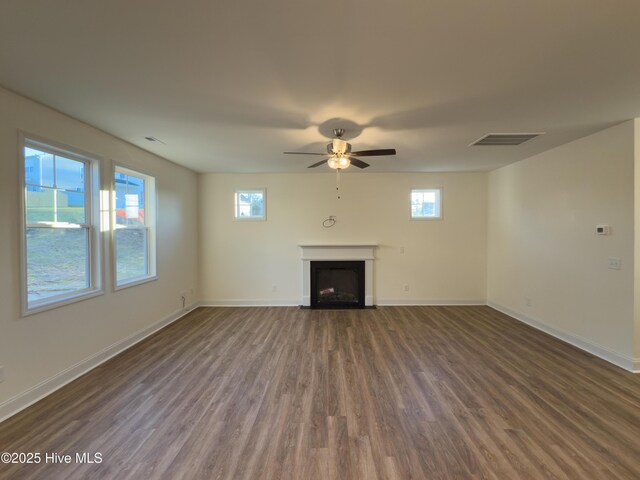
{"x": 425, "y": 203}
{"x": 257, "y": 204}
{"x": 40, "y": 202}
{"x": 70, "y": 207}
{"x": 57, "y": 261}
{"x": 250, "y": 204}
{"x": 129, "y": 200}
{"x": 244, "y": 210}
{"x": 38, "y": 167}
{"x": 69, "y": 174}
{"x": 131, "y": 253}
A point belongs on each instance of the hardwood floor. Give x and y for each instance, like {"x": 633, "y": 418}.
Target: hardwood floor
{"x": 392, "y": 393}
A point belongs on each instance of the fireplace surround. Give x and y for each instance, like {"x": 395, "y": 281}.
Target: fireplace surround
{"x": 338, "y": 253}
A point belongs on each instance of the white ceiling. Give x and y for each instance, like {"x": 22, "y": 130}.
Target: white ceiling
{"x": 229, "y": 85}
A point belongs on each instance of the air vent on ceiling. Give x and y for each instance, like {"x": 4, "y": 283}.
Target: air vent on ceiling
{"x": 500, "y": 139}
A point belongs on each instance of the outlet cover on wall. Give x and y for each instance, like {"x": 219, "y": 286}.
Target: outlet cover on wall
{"x": 1, "y": 374}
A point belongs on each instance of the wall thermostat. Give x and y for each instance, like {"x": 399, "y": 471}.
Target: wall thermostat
{"x": 602, "y": 229}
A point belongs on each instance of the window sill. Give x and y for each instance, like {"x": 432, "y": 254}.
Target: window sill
{"x": 45, "y": 305}
{"x": 134, "y": 282}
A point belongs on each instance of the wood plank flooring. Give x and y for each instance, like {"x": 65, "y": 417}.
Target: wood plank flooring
{"x": 392, "y": 393}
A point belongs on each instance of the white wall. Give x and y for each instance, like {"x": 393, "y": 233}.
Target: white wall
{"x": 443, "y": 261}
{"x": 37, "y": 348}
{"x": 543, "y": 247}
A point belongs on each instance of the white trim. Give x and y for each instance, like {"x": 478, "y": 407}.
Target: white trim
{"x": 62, "y": 300}
{"x": 27, "y": 398}
{"x": 150, "y": 224}
{"x": 389, "y": 302}
{"x": 232, "y": 302}
{"x": 133, "y": 283}
{"x": 622, "y": 361}
{"x": 250, "y": 218}
{"x": 438, "y": 203}
{"x": 93, "y": 187}
{"x": 295, "y": 303}
{"x": 349, "y": 252}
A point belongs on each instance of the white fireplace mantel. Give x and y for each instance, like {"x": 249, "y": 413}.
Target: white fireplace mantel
{"x": 338, "y": 252}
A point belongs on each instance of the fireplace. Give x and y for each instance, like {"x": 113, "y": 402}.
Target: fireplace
{"x": 337, "y": 284}
{"x": 362, "y": 254}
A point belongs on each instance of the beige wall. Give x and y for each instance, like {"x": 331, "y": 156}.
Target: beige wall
{"x": 443, "y": 261}
{"x": 542, "y": 243}
{"x": 637, "y": 242}
{"x": 532, "y": 238}
{"x": 37, "y": 348}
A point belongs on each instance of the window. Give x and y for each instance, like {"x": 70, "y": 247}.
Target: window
{"x": 250, "y": 204}
{"x": 134, "y": 234}
{"x": 61, "y": 251}
{"x": 426, "y": 203}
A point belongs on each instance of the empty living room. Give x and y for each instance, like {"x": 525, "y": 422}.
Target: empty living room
{"x": 320, "y": 240}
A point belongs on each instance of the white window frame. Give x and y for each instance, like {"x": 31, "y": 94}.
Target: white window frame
{"x": 238, "y": 191}
{"x": 150, "y": 224}
{"x": 439, "y": 204}
{"x": 91, "y": 224}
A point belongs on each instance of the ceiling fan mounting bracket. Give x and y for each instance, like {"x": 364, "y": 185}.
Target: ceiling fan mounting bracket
{"x": 338, "y": 132}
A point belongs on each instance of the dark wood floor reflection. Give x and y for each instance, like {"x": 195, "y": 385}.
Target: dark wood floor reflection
{"x": 392, "y": 393}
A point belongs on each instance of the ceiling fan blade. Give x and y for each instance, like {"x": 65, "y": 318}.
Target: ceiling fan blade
{"x": 358, "y": 163}
{"x": 374, "y": 153}
{"x": 303, "y": 153}
{"x": 319, "y": 163}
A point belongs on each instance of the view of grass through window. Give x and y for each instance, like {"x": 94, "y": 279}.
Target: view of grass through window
{"x": 57, "y": 234}
{"x": 131, "y": 228}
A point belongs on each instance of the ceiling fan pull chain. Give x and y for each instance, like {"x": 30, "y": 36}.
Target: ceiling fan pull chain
{"x": 338, "y": 182}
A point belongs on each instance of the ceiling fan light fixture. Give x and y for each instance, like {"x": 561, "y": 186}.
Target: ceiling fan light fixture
{"x": 339, "y": 146}
{"x": 339, "y": 162}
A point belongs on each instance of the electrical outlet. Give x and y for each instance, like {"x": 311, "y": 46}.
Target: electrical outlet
{"x": 274, "y": 288}
{"x": 401, "y": 249}
{"x": 406, "y": 288}
{"x": 614, "y": 263}
{"x": 1, "y": 374}
{"x": 527, "y": 302}
{"x": 183, "y": 299}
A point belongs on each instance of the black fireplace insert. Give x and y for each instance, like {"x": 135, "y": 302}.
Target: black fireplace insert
{"x": 337, "y": 284}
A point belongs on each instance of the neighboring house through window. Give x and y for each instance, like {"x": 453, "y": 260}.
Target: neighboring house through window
{"x": 426, "y": 203}
{"x": 61, "y": 251}
{"x": 250, "y": 204}
{"x": 134, "y": 227}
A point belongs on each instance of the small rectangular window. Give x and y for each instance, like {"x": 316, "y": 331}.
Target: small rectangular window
{"x": 134, "y": 233}
{"x": 250, "y": 204}
{"x": 61, "y": 226}
{"x": 426, "y": 203}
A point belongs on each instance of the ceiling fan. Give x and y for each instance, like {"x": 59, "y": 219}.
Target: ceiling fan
{"x": 341, "y": 156}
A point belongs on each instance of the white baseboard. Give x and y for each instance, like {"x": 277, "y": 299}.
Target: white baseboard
{"x": 23, "y": 400}
{"x": 426, "y": 302}
{"x": 295, "y": 303}
{"x": 250, "y": 303}
{"x": 622, "y": 361}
